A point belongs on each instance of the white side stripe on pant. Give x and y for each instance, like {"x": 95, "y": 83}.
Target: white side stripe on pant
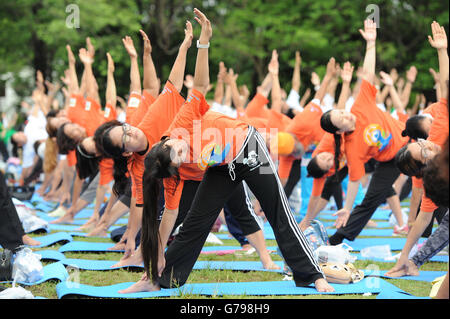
{"x": 292, "y": 223}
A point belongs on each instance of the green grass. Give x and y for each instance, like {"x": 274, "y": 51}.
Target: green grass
{"x": 104, "y": 278}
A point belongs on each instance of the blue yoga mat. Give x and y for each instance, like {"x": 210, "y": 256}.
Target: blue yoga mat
{"x": 87, "y": 247}
{"x": 395, "y": 243}
{"x": 81, "y": 234}
{"x": 224, "y": 248}
{"x": 55, "y": 238}
{"x": 54, "y": 271}
{"x": 379, "y": 214}
{"x": 70, "y": 289}
{"x": 428, "y": 276}
{"x": 236, "y": 265}
{"x": 62, "y": 227}
{"x": 50, "y": 255}
{"x": 266, "y": 288}
{"x": 387, "y": 294}
{"x": 441, "y": 259}
{"x": 86, "y": 264}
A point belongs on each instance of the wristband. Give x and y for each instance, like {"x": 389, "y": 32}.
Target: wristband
{"x": 202, "y": 46}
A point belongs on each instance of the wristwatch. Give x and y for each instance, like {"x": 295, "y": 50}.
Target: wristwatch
{"x": 202, "y": 46}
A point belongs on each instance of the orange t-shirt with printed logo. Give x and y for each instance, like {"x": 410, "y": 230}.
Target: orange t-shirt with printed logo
{"x": 377, "y": 134}
{"x": 206, "y": 132}
{"x": 327, "y": 145}
{"x": 154, "y": 123}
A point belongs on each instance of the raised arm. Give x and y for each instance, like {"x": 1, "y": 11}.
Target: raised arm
{"x": 135, "y": 77}
{"x": 396, "y": 100}
{"x": 230, "y": 81}
{"x": 438, "y": 40}
{"x": 87, "y": 61}
{"x": 410, "y": 79}
{"x": 72, "y": 87}
{"x": 296, "y": 73}
{"x": 331, "y": 69}
{"x": 201, "y": 76}
{"x": 437, "y": 84}
{"x": 346, "y": 76}
{"x": 219, "y": 90}
{"x": 150, "y": 78}
{"x": 370, "y": 35}
{"x": 111, "y": 94}
{"x": 176, "y": 76}
{"x": 276, "y": 89}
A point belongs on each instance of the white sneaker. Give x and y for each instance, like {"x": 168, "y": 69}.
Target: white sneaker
{"x": 59, "y": 212}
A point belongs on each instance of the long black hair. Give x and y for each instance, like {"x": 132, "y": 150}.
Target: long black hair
{"x": 407, "y": 164}
{"x": 104, "y": 145}
{"x": 65, "y": 143}
{"x": 414, "y": 128}
{"x": 157, "y": 166}
{"x": 87, "y": 164}
{"x": 328, "y": 126}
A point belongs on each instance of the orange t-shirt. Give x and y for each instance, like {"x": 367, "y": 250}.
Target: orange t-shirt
{"x": 377, "y": 134}
{"x": 306, "y": 128}
{"x": 154, "y": 123}
{"x": 256, "y": 107}
{"x": 76, "y": 103}
{"x": 327, "y": 145}
{"x": 438, "y": 135}
{"x": 205, "y": 132}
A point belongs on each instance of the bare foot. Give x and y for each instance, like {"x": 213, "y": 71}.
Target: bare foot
{"x": 27, "y": 240}
{"x": 118, "y": 246}
{"x": 271, "y": 266}
{"x": 99, "y": 231}
{"x": 409, "y": 269}
{"x": 66, "y": 219}
{"x": 141, "y": 286}
{"x": 133, "y": 260}
{"x": 90, "y": 224}
{"x": 323, "y": 286}
{"x": 371, "y": 224}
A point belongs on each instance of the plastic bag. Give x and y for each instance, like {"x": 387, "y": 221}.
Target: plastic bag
{"x": 393, "y": 220}
{"x": 382, "y": 252}
{"x": 16, "y": 293}
{"x": 27, "y": 266}
{"x": 316, "y": 234}
{"x": 339, "y": 254}
{"x": 29, "y": 221}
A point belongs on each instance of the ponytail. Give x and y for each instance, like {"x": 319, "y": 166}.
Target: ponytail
{"x": 157, "y": 166}
{"x": 337, "y": 153}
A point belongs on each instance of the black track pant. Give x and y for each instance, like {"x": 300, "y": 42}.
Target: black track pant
{"x": 294, "y": 177}
{"x": 238, "y": 206}
{"x": 379, "y": 189}
{"x": 333, "y": 187}
{"x": 11, "y": 230}
{"x": 254, "y": 165}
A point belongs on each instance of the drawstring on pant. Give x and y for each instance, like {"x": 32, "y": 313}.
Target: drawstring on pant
{"x": 231, "y": 171}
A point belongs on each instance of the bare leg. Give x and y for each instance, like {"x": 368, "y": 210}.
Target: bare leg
{"x": 257, "y": 240}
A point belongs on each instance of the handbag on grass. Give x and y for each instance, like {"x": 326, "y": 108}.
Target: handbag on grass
{"x": 341, "y": 273}
{"x": 6, "y": 265}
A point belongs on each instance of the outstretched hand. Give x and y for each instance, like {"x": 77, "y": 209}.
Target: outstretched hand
{"x": 347, "y": 72}
{"x": 386, "y": 79}
{"x": 85, "y": 56}
{"x": 110, "y": 62}
{"x": 439, "y": 38}
{"x": 90, "y": 48}
{"x": 70, "y": 55}
{"x": 206, "y": 32}
{"x": 274, "y": 65}
{"x": 147, "y": 44}
{"x": 188, "y": 34}
{"x": 411, "y": 74}
{"x": 129, "y": 46}
{"x": 370, "y": 31}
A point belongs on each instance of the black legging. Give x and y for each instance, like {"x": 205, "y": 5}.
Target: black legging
{"x": 11, "y": 230}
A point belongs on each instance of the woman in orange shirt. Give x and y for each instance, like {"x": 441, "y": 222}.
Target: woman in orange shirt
{"x": 368, "y": 133}
{"x": 230, "y": 151}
